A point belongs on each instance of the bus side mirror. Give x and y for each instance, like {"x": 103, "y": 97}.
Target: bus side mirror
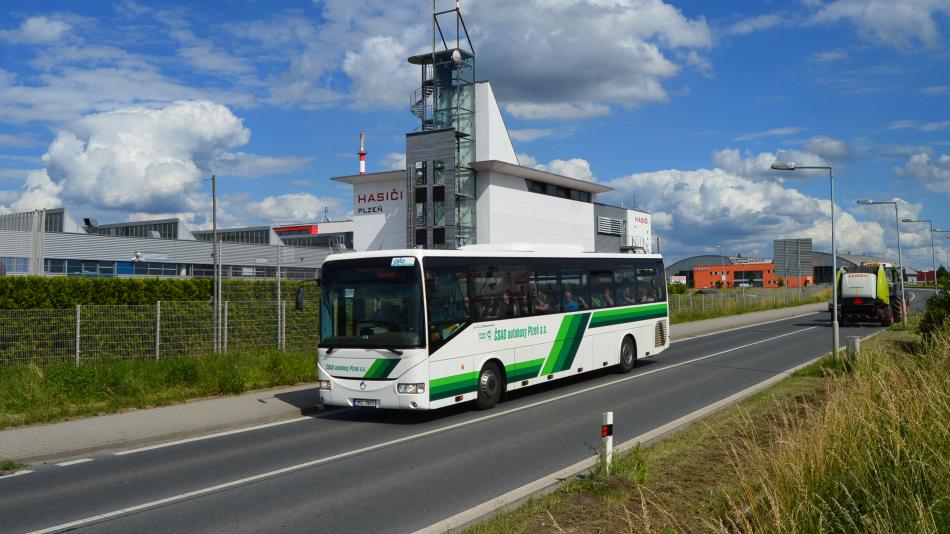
{"x": 299, "y": 298}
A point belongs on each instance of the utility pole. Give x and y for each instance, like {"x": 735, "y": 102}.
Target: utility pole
{"x": 215, "y": 297}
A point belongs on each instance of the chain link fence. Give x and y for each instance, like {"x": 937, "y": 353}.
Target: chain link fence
{"x": 697, "y": 304}
{"x": 97, "y": 333}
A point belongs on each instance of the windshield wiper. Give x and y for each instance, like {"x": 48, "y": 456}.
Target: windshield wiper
{"x": 394, "y": 351}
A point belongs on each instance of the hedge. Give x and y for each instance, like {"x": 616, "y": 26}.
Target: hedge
{"x": 37, "y": 292}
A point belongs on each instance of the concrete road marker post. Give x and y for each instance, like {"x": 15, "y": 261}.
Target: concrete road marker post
{"x": 854, "y": 347}
{"x": 606, "y": 440}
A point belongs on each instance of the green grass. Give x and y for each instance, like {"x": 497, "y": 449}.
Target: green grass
{"x": 717, "y": 307}
{"x": 830, "y": 449}
{"x": 33, "y": 394}
{"x": 9, "y": 466}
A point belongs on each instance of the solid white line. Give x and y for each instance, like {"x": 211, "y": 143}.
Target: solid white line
{"x": 210, "y": 436}
{"x": 18, "y": 473}
{"x": 74, "y": 462}
{"x": 349, "y": 454}
{"x": 738, "y": 327}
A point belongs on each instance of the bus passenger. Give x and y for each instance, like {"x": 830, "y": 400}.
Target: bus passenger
{"x": 570, "y": 304}
{"x": 644, "y": 296}
{"x": 604, "y": 300}
{"x": 628, "y": 296}
{"x": 491, "y": 310}
{"x": 541, "y": 304}
{"x": 509, "y": 306}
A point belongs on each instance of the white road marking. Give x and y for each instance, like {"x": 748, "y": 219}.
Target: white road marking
{"x": 74, "y": 462}
{"x": 18, "y": 473}
{"x": 210, "y": 436}
{"x": 739, "y": 327}
{"x": 370, "y": 448}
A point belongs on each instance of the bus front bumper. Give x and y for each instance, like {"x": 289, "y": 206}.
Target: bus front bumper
{"x": 355, "y": 392}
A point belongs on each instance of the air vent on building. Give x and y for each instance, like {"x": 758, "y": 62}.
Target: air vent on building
{"x": 610, "y": 226}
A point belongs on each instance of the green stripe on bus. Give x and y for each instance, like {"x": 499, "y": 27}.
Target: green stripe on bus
{"x": 381, "y": 369}
{"x": 450, "y": 386}
{"x": 523, "y": 370}
{"x": 568, "y": 340}
{"x": 628, "y": 315}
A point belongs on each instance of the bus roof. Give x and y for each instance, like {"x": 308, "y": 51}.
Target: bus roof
{"x": 424, "y": 253}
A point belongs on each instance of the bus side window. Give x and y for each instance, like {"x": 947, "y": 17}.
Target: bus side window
{"x": 574, "y": 294}
{"x": 603, "y": 294}
{"x": 646, "y": 286}
{"x": 542, "y": 291}
{"x": 447, "y": 290}
{"x": 626, "y": 281}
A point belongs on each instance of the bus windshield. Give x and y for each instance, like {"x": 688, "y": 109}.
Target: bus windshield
{"x": 371, "y": 303}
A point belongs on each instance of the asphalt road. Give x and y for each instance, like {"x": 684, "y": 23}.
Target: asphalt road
{"x": 362, "y": 470}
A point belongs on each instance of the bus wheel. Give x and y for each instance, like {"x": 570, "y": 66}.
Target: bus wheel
{"x": 490, "y": 387}
{"x": 628, "y": 355}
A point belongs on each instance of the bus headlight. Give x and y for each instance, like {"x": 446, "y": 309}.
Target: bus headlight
{"x": 411, "y": 388}
{"x": 324, "y": 384}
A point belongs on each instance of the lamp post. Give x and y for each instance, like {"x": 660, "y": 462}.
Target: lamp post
{"x": 790, "y": 166}
{"x": 933, "y": 250}
{"x": 900, "y": 259}
{"x": 723, "y": 258}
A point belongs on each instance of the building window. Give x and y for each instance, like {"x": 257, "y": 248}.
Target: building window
{"x": 438, "y": 214}
{"x": 15, "y": 265}
{"x": 438, "y": 236}
{"x": 438, "y": 193}
{"x": 420, "y": 194}
{"x": 420, "y": 174}
{"x": 438, "y": 172}
{"x": 536, "y": 187}
{"x": 420, "y": 214}
{"x": 421, "y": 237}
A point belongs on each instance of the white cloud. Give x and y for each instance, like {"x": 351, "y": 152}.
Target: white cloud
{"x": 897, "y": 23}
{"x": 744, "y": 215}
{"x": 573, "y": 168}
{"x": 561, "y": 110}
{"x": 759, "y": 166}
{"x": 293, "y": 207}
{"x": 37, "y": 30}
{"x": 828, "y": 148}
{"x": 934, "y": 126}
{"x": 901, "y": 124}
{"x": 146, "y": 160}
{"x": 394, "y": 161}
{"x": 531, "y": 134}
{"x": 933, "y": 173}
{"x": 379, "y": 72}
{"x": 774, "y": 132}
{"x": 19, "y": 141}
{"x": 829, "y": 56}
{"x": 755, "y": 24}
{"x": 936, "y": 90}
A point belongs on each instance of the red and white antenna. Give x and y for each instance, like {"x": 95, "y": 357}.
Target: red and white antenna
{"x": 362, "y": 154}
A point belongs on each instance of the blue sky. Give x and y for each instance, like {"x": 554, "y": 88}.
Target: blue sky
{"x": 123, "y": 109}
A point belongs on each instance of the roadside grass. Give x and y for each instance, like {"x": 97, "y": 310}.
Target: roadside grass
{"x": 33, "y": 394}
{"x": 735, "y": 306}
{"x": 865, "y": 448}
{"x": 9, "y": 466}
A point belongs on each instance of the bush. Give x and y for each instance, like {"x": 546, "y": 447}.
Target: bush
{"x": 936, "y": 316}
{"x": 676, "y": 289}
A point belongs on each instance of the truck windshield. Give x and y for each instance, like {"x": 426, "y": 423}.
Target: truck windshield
{"x": 371, "y": 303}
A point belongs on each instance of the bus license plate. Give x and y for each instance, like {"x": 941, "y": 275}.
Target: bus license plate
{"x": 368, "y": 403}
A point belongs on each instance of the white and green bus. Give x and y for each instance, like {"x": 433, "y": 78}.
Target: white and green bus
{"x": 423, "y": 329}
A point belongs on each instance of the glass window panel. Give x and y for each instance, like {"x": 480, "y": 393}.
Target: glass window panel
{"x": 438, "y": 172}
{"x": 543, "y": 293}
{"x": 438, "y": 214}
{"x": 602, "y": 291}
{"x": 574, "y": 294}
{"x": 420, "y": 214}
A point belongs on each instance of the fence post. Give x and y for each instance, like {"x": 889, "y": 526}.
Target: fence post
{"x": 78, "y": 322}
{"x": 283, "y": 325}
{"x": 226, "y": 326}
{"x": 158, "y": 328}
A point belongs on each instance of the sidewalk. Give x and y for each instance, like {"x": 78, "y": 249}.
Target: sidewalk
{"x": 70, "y": 439}
{"x": 37, "y": 443}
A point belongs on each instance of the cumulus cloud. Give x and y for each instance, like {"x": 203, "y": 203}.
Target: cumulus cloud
{"x": 293, "y": 207}
{"x": 145, "y": 160}
{"x": 573, "y": 168}
{"x": 744, "y": 214}
{"x": 759, "y": 166}
{"x": 897, "y": 23}
{"x": 828, "y": 148}
{"x": 37, "y": 30}
{"x": 754, "y": 24}
{"x": 394, "y": 161}
{"x": 933, "y": 173}
{"x": 379, "y": 73}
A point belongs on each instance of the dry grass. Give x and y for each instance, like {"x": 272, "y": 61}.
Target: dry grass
{"x": 825, "y": 450}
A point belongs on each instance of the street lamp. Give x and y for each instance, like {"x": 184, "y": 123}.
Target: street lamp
{"x": 933, "y": 250}
{"x": 790, "y": 166}
{"x": 900, "y": 259}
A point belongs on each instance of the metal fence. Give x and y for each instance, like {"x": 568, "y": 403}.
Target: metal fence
{"x": 96, "y": 333}
{"x": 741, "y": 300}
